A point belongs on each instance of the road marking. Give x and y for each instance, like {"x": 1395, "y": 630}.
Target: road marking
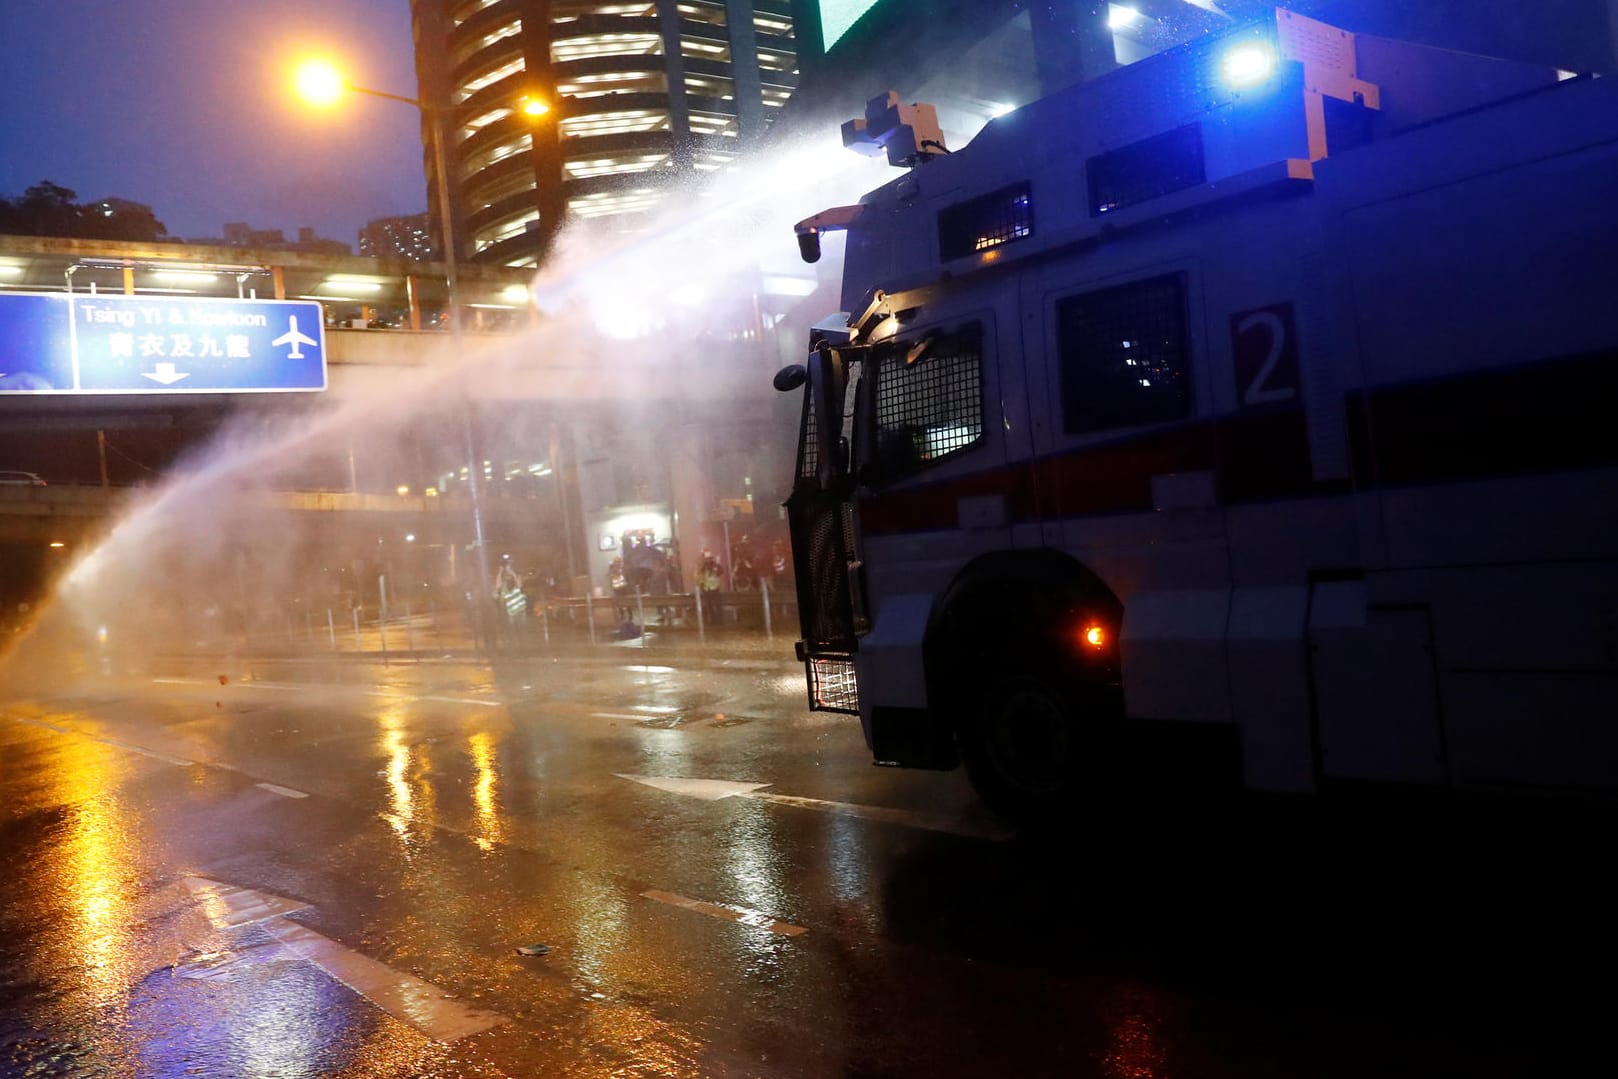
{"x": 743, "y": 915}
{"x": 618, "y": 715}
{"x": 230, "y": 907}
{"x": 709, "y": 790}
{"x": 713, "y": 790}
{"x": 285, "y": 792}
{"x": 164, "y": 757}
{"x": 421, "y": 1004}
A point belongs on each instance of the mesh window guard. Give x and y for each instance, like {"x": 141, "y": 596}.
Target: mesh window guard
{"x": 929, "y": 409}
{"x": 1148, "y": 169}
{"x": 986, "y": 221}
{"x": 1123, "y": 355}
{"x": 808, "y": 449}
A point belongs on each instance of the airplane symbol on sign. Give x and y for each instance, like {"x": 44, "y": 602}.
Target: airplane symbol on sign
{"x": 294, "y": 338}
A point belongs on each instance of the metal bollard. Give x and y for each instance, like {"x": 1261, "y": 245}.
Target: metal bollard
{"x": 702, "y": 630}
{"x": 640, "y": 617}
{"x": 331, "y": 629}
{"x": 764, "y": 589}
{"x": 357, "y": 646}
{"x": 590, "y": 616}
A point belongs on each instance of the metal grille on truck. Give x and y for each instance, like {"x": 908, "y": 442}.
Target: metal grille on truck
{"x": 928, "y": 409}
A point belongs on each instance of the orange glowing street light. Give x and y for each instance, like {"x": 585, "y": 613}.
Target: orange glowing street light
{"x": 319, "y": 82}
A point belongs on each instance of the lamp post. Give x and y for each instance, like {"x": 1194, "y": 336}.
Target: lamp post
{"x": 321, "y": 84}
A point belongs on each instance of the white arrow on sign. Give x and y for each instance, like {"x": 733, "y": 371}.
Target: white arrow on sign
{"x": 166, "y": 374}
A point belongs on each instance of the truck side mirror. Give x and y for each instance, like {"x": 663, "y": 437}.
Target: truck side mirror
{"x": 791, "y": 377}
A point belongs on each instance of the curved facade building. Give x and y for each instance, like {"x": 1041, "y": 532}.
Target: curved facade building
{"x": 647, "y": 94}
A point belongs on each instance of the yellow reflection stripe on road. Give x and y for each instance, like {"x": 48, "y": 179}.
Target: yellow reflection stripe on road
{"x": 114, "y": 743}
{"x": 755, "y": 918}
{"x": 908, "y": 817}
{"x": 309, "y": 687}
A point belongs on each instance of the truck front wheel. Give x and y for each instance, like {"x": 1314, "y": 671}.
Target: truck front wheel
{"x": 1034, "y": 747}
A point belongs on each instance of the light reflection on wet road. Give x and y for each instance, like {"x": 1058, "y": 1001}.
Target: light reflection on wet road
{"x": 838, "y": 929}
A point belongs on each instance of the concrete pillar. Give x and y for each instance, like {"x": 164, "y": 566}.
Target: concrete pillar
{"x": 691, "y": 493}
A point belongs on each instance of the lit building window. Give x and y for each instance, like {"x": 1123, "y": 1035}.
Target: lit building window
{"x": 593, "y": 45}
{"x": 713, "y": 14}
{"x": 466, "y": 11}
{"x": 713, "y": 123}
{"x": 480, "y": 161}
{"x": 613, "y": 166}
{"x": 486, "y": 119}
{"x": 772, "y": 24}
{"x": 511, "y": 67}
{"x": 471, "y": 48}
{"x": 505, "y": 230}
{"x": 770, "y": 60}
{"x": 608, "y": 203}
{"x": 695, "y": 49}
{"x": 615, "y": 123}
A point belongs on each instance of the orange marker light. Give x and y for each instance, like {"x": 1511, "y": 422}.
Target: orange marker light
{"x": 1095, "y": 635}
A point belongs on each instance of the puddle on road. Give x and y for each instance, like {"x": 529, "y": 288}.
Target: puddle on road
{"x": 667, "y": 723}
{"x": 692, "y": 719}
{"x": 730, "y": 721}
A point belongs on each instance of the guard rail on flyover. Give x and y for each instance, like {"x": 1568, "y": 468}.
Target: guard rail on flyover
{"x": 73, "y": 512}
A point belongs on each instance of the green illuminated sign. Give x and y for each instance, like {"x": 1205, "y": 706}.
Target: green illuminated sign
{"x": 836, "y": 16}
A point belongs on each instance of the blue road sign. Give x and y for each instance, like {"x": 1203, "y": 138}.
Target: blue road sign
{"x": 100, "y": 344}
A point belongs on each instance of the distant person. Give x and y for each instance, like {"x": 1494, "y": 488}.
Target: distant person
{"x": 640, "y": 562}
{"x": 780, "y": 566}
{"x": 618, "y": 585}
{"x": 708, "y": 572}
{"x": 676, "y": 583}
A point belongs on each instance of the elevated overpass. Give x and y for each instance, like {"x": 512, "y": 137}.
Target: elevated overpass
{"x": 73, "y": 514}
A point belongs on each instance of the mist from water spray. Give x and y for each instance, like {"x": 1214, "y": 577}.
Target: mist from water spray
{"x": 215, "y": 537}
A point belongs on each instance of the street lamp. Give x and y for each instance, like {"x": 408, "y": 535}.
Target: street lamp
{"x": 321, "y": 84}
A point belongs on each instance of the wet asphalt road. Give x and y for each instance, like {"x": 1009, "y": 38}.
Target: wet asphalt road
{"x": 326, "y": 869}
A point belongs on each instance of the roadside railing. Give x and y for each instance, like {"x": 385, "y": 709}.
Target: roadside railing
{"x": 419, "y": 626}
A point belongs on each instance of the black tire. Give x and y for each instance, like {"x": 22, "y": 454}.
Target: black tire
{"x": 1037, "y": 746}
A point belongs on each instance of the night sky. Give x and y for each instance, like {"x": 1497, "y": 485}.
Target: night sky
{"x": 182, "y": 104}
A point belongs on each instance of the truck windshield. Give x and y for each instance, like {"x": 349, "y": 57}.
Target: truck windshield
{"x": 928, "y": 403}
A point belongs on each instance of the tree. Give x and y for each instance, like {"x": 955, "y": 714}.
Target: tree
{"x": 49, "y": 209}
